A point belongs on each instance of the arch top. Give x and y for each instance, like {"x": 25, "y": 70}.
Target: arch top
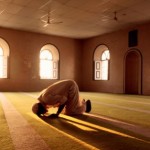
{"x": 53, "y": 50}
{"x": 99, "y": 50}
{"x": 5, "y": 47}
{"x": 133, "y": 50}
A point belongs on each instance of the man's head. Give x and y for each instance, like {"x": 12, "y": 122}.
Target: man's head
{"x": 39, "y": 109}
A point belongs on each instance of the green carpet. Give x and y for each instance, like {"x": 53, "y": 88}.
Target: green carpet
{"x": 84, "y": 132}
{"x": 105, "y": 104}
{"x": 5, "y": 139}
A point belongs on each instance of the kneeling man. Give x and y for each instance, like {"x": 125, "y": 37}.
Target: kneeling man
{"x": 61, "y": 94}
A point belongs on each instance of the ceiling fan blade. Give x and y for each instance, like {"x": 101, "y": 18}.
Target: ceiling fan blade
{"x": 46, "y": 25}
{"x": 2, "y": 11}
{"x": 44, "y": 21}
{"x": 44, "y": 16}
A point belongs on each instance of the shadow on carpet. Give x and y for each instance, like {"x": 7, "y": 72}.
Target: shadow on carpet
{"x": 96, "y": 133}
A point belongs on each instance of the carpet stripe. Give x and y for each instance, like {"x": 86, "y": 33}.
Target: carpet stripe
{"x": 23, "y": 135}
{"x": 131, "y": 127}
{"x": 123, "y": 107}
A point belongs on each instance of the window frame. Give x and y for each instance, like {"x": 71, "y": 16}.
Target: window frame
{"x": 99, "y": 63}
{"x": 55, "y": 62}
{"x": 4, "y": 57}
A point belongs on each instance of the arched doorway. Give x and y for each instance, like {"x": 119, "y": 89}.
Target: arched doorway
{"x": 133, "y": 72}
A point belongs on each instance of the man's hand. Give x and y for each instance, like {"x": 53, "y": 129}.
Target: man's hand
{"x": 53, "y": 116}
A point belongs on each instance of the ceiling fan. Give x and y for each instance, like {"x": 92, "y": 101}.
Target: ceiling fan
{"x": 109, "y": 17}
{"x": 49, "y": 20}
{"x": 115, "y": 16}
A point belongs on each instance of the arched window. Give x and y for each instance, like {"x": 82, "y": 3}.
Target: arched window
{"x": 4, "y": 53}
{"x": 101, "y": 61}
{"x": 1, "y": 62}
{"x": 49, "y": 58}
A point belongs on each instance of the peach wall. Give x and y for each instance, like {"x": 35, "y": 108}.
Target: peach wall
{"x": 117, "y": 42}
{"x": 76, "y": 60}
{"x": 144, "y": 47}
{"x": 24, "y": 62}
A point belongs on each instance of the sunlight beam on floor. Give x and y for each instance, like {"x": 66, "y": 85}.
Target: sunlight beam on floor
{"x": 65, "y": 134}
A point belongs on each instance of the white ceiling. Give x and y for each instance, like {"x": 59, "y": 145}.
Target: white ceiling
{"x": 80, "y": 18}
